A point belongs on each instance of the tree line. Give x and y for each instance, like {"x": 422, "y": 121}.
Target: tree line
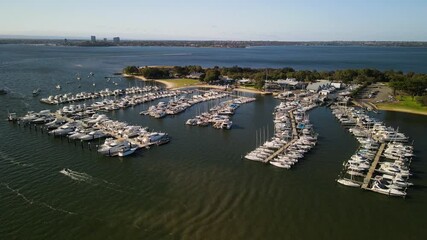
{"x": 414, "y": 84}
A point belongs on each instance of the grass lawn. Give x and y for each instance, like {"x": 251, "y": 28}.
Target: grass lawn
{"x": 248, "y": 87}
{"x": 405, "y": 104}
{"x": 181, "y": 82}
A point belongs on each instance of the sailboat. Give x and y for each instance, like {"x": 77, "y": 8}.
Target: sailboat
{"x": 348, "y": 182}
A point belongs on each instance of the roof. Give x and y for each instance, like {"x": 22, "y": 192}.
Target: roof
{"x": 318, "y": 84}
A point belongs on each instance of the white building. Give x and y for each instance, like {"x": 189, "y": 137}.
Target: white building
{"x": 318, "y": 85}
{"x": 338, "y": 85}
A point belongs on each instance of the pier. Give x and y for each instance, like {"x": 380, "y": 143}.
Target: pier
{"x": 294, "y": 138}
{"x": 374, "y": 164}
{"x": 294, "y": 127}
{"x": 275, "y": 154}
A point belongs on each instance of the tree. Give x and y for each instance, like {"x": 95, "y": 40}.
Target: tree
{"x": 211, "y": 75}
{"x": 180, "y": 71}
{"x": 417, "y": 85}
{"x": 131, "y": 70}
{"x": 155, "y": 73}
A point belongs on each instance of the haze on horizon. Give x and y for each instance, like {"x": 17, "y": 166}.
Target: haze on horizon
{"x": 281, "y": 20}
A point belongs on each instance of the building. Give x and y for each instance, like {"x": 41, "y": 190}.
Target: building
{"x": 338, "y": 85}
{"x": 194, "y": 75}
{"x": 116, "y": 40}
{"x": 318, "y": 85}
{"x": 105, "y": 39}
{"x": 244, "y": 81}
{"x": 291, "y": 83}
{"x": 93, "y": 38}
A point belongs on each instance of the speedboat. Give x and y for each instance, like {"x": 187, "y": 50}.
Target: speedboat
{"x": 36, "y": 92}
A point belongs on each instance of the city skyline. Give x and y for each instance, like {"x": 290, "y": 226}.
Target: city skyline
{"x": 308, "y": 20}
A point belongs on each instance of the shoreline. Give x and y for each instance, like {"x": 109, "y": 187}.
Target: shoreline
{"x": 397, "y": 109}
{"x": 173, "y": 86}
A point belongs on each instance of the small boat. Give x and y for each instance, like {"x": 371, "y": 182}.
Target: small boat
{"x": 36, "y": 92}
{"x": 163, "y": 140}
{"x": 280, "y": 164}
{"x": 347, "y": 182}
{"x": 58, "y": 87}
{"x": 126, "y": 151}
{"x": 3, "y": 91}
{"x": 12, "y": 117}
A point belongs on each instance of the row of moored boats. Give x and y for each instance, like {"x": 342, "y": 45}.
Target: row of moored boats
{"x": 122, "y": 139}
{"x": 81, "y": 96}
{"x": 392, "y": 172}
{"x": 179, "y": 104}
{"x": 293, "y": 133}
{"x": 219, "y": 116}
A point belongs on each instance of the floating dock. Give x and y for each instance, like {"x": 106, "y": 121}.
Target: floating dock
{"x": 294, "y": 136}
{"x": 279, "y": 151}
{"x": 374, "y": 164}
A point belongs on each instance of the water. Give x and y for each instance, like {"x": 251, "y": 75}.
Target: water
{"x": 196, "y": 187}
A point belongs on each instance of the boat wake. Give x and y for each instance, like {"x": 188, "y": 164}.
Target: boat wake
{"x": 32, "y": 201}
{"x": 13, "y": 161}
{"x": 84, "y": 177}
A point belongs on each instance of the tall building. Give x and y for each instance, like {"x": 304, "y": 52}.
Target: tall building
{"x": 92, "y": 38}
{"x": 116, "y": 40}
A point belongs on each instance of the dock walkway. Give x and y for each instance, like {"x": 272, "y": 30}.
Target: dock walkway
{"x": 374, "y": 164}
{"x": 294, "y": 138}
{"x": 294, "y": 127}
{"x": 275, "y": 154}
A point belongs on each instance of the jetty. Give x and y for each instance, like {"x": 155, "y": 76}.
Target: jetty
{"x": 293, "y": 124}
{"x": 374, "y": 164}
{"x": 294, "y": 138}
{"x": 293, "y": 135}
{"x": 282, "y": 149}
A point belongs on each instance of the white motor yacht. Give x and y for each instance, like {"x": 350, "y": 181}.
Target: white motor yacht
{"x": 93, "y": 135}
{"x": 381, "y": 188}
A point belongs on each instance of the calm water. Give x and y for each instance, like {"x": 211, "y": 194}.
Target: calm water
{"x": 196, "y": 187}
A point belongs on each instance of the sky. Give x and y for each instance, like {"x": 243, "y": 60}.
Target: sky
{"x": 282, "y": 20}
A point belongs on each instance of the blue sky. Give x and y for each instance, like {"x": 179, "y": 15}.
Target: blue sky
{"x": 286, "y": 20}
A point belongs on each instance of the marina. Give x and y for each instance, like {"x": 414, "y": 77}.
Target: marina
{"x": 377, "y": 141}
{"x": 293, "y": 134}
{"x": 197, "y": 186}
{"x": 82, "y": 96}
{"x": 178, "y": 105}
{"x": 219, "y": 115}
{"x": 121, "y": 139}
